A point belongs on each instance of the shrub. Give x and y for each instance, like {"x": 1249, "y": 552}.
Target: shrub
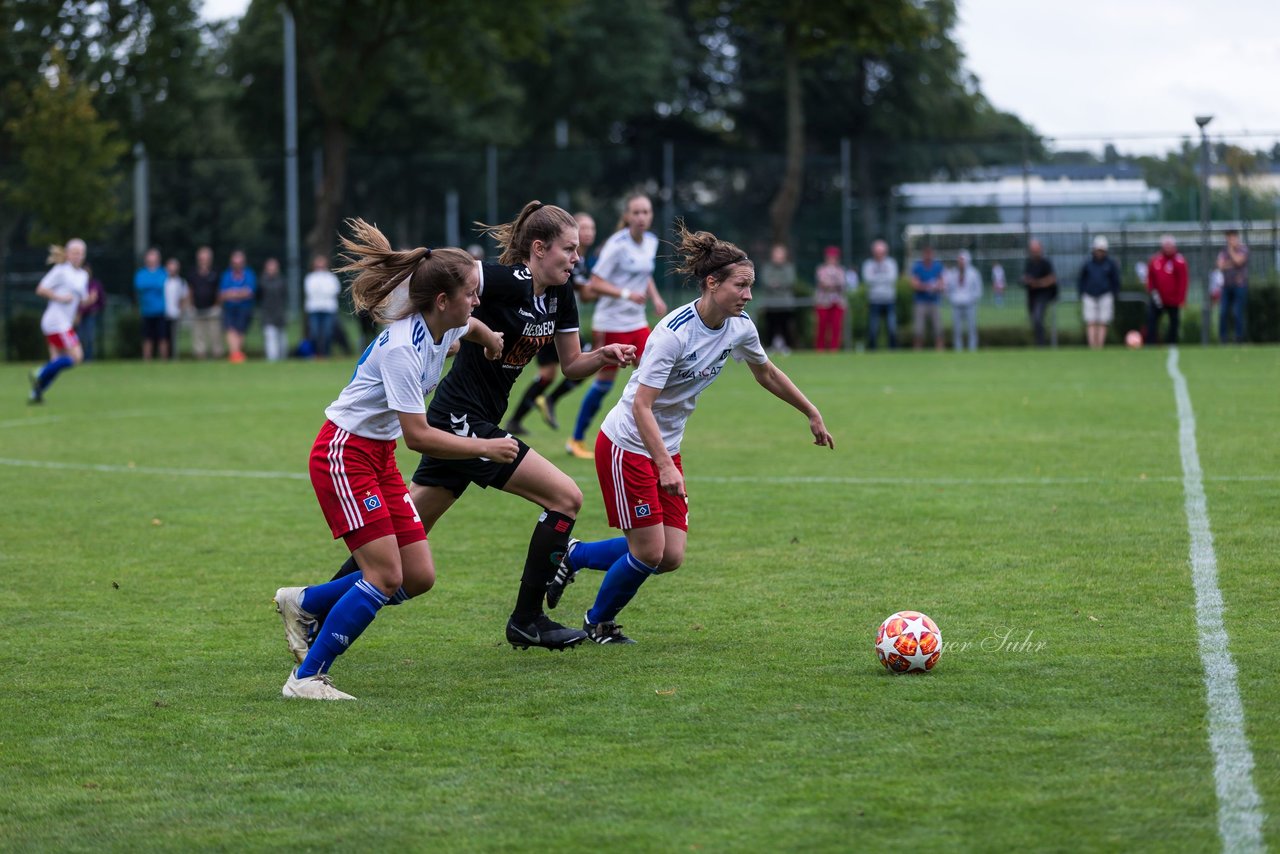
{"x": 1262, "y": 314}
{"x": 26, "y": 342}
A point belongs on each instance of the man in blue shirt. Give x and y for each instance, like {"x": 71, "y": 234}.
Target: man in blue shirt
{"x": 148, "y": 284}
{"x": 237, "y": 290}
{"x": 926, "y": 282}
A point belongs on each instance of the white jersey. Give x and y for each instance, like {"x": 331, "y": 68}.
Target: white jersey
{"x": 397, "y": 371}
{"x": 63, "y": 279}
{"x": 625, "y": 264}
{"x": 682, "y": 357}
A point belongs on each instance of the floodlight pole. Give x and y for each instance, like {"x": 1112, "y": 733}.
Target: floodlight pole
{"x": 293, "y": 249}
{"x": 1206, "y": 314}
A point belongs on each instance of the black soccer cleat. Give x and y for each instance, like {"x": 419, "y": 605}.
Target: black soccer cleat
{"x": 565, "y": 575}
{"x": 605, "y": 632}
{"x": 543, "y": 632}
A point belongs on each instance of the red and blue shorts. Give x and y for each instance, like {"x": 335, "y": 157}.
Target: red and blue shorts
{"x": 361, "y": 490}
{"x": 629, "y": 485}
{"x": 63, "y": 340}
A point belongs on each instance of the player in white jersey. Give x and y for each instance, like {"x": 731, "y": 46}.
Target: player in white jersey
{"x": 426, "y": 298}
{"x": 622, "y": 279}
{"x": 64, "y": 286}
{"x": 638, "y": 450}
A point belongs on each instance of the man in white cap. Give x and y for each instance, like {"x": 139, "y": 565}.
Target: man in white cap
{"x": 1099, "y": 284}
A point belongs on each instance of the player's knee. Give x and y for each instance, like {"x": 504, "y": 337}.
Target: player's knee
{"x": 671, "y": 560}
{"x": 567, "y": 500}
{"x": 648, "y": 554}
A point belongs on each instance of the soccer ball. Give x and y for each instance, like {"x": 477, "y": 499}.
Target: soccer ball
{"x": 909, "y": 642}
{"x": 1133, "y": 340}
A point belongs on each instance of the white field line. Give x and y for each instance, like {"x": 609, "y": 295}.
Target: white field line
{"x": 763, "y": 480}
{"x": 1239, "y": 805}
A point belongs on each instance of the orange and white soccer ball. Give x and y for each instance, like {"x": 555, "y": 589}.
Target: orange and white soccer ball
{"x": 909, "y": 642}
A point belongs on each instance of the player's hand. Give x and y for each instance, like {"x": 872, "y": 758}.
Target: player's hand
{"x": 493, "y": 347}
{"x": 502, "y": 450}
{"x": 671, "y": 481}
{"x": 638, "y": 297}
{"x": 819, "y": 431}
{"x": 618, "y": 354}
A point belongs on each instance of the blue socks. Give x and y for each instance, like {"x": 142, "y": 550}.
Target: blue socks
{"x": 590, "y": 406}
{"x": 620, "y": 584}
{"x": 350, "y": 616}
{"x": 598, "y": 555}
{"x": 51, "y": 370}
{"x": 320, "y": 599}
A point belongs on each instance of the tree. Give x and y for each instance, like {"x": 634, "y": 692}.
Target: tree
{"x": 67, "y": 181}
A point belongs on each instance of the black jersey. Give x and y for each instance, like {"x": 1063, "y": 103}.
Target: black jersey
{"x": 479, "y": 387}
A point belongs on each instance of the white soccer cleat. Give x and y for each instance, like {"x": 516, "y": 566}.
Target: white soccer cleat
{"x": 316, "y": 687}
{"x": 298, "y": 624}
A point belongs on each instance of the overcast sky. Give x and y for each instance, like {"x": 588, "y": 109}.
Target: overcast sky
{"x": 1132, "y": 72}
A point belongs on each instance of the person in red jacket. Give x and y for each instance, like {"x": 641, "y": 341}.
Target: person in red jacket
{"x": 1167, "y": 288}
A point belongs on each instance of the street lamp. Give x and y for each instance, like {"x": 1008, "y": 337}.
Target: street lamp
{"x": 1206, "y": 314}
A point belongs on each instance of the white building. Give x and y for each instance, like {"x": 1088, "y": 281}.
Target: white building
{"x": 1061, "y": 199}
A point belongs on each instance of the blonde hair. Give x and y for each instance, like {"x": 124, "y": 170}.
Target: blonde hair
{"x": 626, "y": 204}
{"x": 58, "y": 254}
{"x": 536, "y": 221}
{"x": 704, "y": 255}
{"x": 380, "y": 270}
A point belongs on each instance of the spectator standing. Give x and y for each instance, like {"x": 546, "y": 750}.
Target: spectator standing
{"x": 998, "y": 283}
{"x": 237, "y": 288}
{"x": 1166, "y": 288}
{"x": 322, "y": 289}
{"x": 964, "y": 290}
{"x": 89, "y": 325}
{"x": 148, "y": 284}
{"x": 273, "y": 298}
{"x": 177, "y": 300}
{"x": 880, "y": 273}
{"x": 1233, "y": 263}
{"x": 926, "y": 282}
{"x": 1099, "y": 285}
{"x": 829, "y": 302}
{"x": 778, "y": 276}
{"x": 1042, "y": 289}
{"x": 206, "y": 308}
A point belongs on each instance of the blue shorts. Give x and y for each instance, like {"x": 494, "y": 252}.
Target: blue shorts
{"x": 236, "y": 316}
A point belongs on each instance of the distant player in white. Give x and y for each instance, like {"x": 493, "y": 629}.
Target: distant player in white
{"x": 638, "y": 449}
{"x": 622, "y": 281}
{"x": 64, "y": 286}
{"x": 426, "y": 298}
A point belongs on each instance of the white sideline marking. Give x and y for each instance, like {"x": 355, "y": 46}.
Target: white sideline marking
{"x": 745, "y": 479}
{"x": 1239, "y": 805}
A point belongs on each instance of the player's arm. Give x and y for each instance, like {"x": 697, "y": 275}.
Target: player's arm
{"x": 479, "y": 333}
{"x": 45, "y": 290}
{"x": 577, "y": 365}
{"x": 603, "y": 287}
{"x": 422, "y": 437}
{"x": 659, "y": 304}
{"x": 669, "y": 477}
{"x": 771, "y": 377}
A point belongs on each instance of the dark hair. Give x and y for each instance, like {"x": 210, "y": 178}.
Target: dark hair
{"x": 535, "y": 222}
{"x": 1231, "y": 231}
{"x": 702, "y": 254}
{"x": 380, "y": 270}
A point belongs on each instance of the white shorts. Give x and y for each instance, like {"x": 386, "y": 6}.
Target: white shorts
{"x": 1098, "y": 309}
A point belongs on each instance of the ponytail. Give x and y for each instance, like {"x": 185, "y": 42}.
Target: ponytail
{"x": 703, "y": 255}
{"x": 535, "y": 221}
{"x": 380, "y": 270}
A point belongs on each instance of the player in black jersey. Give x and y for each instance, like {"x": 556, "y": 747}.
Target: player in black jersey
{"x": 526, "y": 298}
{"x": 536, "y": 394}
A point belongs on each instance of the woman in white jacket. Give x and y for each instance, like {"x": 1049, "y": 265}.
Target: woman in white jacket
{"x": 964, "y": 289}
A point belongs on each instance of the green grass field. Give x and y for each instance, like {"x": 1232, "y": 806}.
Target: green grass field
{"x": 1030, "y": 502}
